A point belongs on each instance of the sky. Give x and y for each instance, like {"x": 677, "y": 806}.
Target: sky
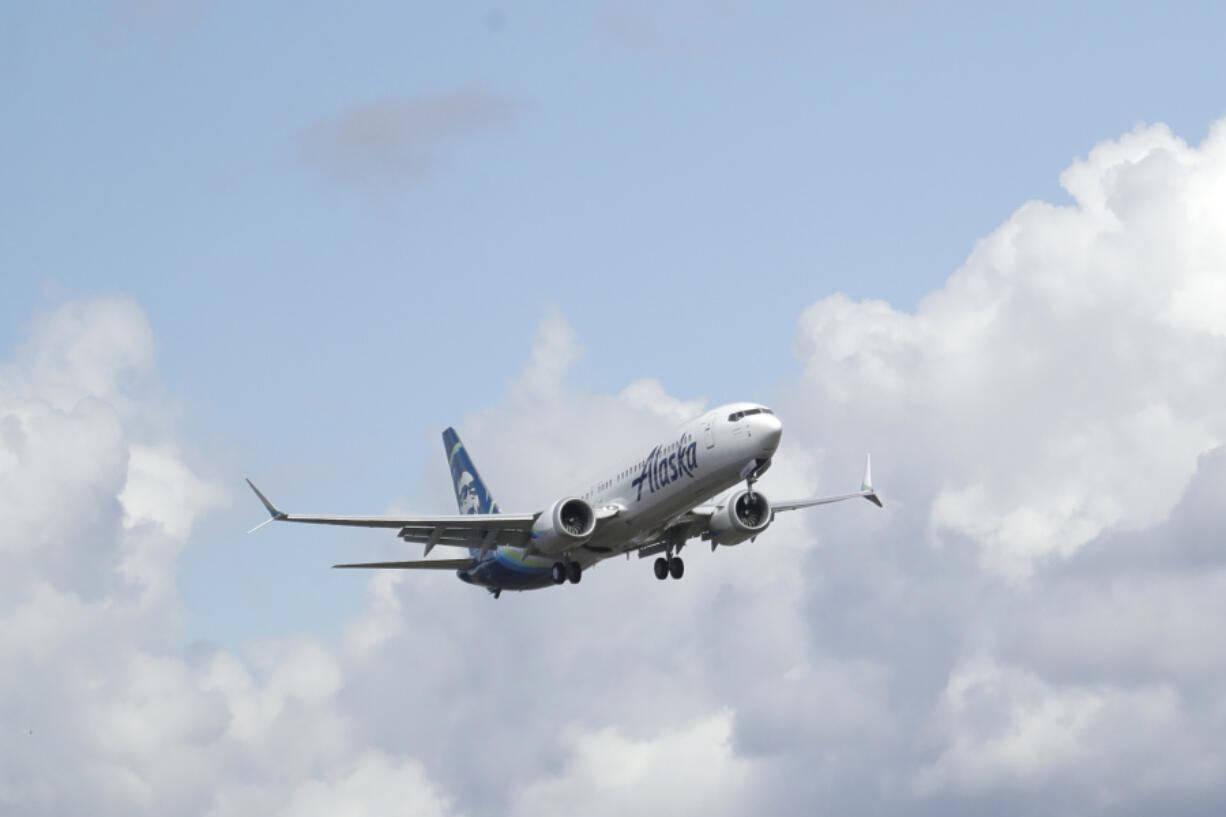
{"x": 286, "y": 242}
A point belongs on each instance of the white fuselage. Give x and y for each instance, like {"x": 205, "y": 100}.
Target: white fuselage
{"x": 698, "y": 461}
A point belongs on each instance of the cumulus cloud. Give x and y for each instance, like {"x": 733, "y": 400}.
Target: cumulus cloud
{"x": 1080, "y": 344}
{"x": 554, "y": 350}
{"x": 1028, "y": 626}
{"x": 1048, "y": 574}
{"x": 384, "y": 146}
{"x": 1011, "y": 730}
{"x": 107, "y": 715}
{"x": 543, "y": 407}
{"x": 291, "y": 726}
{"x": 689, "y": 770}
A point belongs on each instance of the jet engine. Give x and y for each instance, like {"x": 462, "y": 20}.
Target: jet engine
{"x": 564, "y": 525}
{"x": 745, "y": 516}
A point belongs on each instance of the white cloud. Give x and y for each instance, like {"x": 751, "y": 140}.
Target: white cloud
{"x": 161, "y": 490}
{"x": 42, "y": 619}
{"x": 688, "y": 770}
{"x": 649, "y": 394}
{"x": 546, "y": 421}
{"x": 1030, "y": 619}
{"x": 95, "y": 348}
{"x": 554, "y": 350}
{"x": 1043, "y": 412}
{"x": 108, "y": 716}
{"x": 1147, "y": 626}
{"x": 1064, "y": 380}
{"x": 55, "y": 460}
{"x": 374, "y": 785}
{"x": 1010, "y": 730}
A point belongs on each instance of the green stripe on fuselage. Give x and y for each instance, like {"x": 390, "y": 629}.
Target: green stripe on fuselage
{"x": 517, "y": 555}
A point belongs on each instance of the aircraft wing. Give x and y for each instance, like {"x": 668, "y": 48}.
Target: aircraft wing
{"x": 427, "y": 564}
{"x": 471, "y": 530}
{"x": 697, "y": 520}
{"x": 797, "y": 504}
{"x": 866, "y": 492}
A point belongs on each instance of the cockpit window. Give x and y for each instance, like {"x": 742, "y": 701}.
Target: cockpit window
{"x": 737, "y": 415}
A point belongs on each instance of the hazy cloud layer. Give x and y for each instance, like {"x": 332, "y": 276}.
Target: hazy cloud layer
{"x": 119, "y": 22}
{"x": 384, "y": 146}
{"x": 1029, "y": 626}
{"x": 684, "y": 29}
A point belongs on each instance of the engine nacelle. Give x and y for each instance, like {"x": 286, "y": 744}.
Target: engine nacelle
{"x": 566, "y": 524}
{"x": 746, "y": 515}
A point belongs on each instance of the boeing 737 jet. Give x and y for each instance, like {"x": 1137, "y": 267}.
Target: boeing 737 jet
{"x": 682, "y": 488}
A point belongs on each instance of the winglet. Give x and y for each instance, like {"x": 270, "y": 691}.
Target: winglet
{"x": 273, "y": 513}
{"x": 866, "y": 485}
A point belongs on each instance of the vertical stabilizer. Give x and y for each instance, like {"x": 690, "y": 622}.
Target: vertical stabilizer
{"x": 471, "y": 495}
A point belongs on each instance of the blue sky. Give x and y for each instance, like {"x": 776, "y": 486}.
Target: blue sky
{"x": 678, "y": 181}
{"x": 346, "y": 229}
{"x": 722, "y": 168}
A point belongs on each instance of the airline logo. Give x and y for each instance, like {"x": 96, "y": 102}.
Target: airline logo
{"x": 660, "y": 469}
{"x": 466, "y": 493}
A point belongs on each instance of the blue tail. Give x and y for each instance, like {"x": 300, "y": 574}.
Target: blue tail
{"x": 470, "y": 493}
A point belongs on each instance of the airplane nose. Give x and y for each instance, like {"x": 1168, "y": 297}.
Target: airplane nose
{"x": 769, "y": 430}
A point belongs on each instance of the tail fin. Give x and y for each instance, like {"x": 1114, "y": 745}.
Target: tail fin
{"x": 470, "y": 492}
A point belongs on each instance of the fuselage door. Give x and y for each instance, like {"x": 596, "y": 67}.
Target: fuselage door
{"x": 707, "y": 434}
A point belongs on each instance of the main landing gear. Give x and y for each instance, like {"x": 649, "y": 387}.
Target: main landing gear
{"x": 669, "y": 567}
{"x": 566, "y": 571}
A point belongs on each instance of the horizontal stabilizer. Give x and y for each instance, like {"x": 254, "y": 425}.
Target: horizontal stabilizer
{"x": 428, "y": 564}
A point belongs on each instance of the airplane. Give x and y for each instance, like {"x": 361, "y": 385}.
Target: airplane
{"x": 651, "y": 506}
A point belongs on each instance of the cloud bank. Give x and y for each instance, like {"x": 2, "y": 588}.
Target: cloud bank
{"x": 1028, "y": 627}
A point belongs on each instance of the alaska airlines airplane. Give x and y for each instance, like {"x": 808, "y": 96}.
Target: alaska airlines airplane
{"x": 651, "y": 506}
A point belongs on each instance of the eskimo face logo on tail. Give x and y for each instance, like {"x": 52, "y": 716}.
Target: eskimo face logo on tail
{"x": 660, "y": 469}
{"x": 466, "y": 489}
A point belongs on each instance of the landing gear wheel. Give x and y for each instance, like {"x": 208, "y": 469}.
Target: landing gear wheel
{"x": 676, "y": 567}
{"x": 558, "y": 571}
{"x": 661, "y": 568}
{"x": 574, "y": 572}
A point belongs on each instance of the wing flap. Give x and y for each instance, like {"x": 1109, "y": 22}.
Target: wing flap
{"x": 491, "y": 532}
